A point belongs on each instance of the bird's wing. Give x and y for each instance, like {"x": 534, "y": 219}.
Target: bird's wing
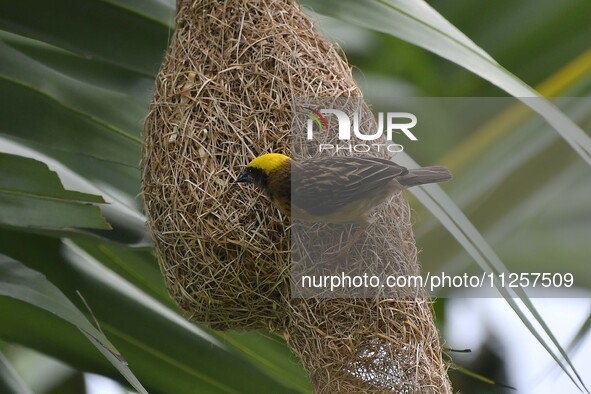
{"x": 321, "y": 186}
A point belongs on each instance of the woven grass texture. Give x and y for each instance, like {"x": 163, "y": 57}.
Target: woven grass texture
{"x": 224, "y": 95}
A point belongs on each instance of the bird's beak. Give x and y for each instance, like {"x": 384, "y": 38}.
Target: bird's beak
{"x": 244, "y": 177}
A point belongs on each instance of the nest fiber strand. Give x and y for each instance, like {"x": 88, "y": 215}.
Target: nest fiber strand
{"x": 223, "y": 96}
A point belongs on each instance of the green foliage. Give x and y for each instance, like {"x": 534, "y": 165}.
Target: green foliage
{"x": 76, "y": 79}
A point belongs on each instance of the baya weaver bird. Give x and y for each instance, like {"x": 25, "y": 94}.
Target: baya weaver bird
{"x": 333, "y": 189}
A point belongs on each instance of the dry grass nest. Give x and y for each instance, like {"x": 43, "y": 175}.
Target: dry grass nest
{"x": 223, "y": 96}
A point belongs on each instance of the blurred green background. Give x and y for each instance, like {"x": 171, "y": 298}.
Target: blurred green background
{"x": 75, "y": 81}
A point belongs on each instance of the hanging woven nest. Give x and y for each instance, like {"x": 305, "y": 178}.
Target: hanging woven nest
{"x": 223, "y": 96}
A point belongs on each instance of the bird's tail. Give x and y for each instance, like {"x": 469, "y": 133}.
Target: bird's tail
{"x": 421, "y": 176}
